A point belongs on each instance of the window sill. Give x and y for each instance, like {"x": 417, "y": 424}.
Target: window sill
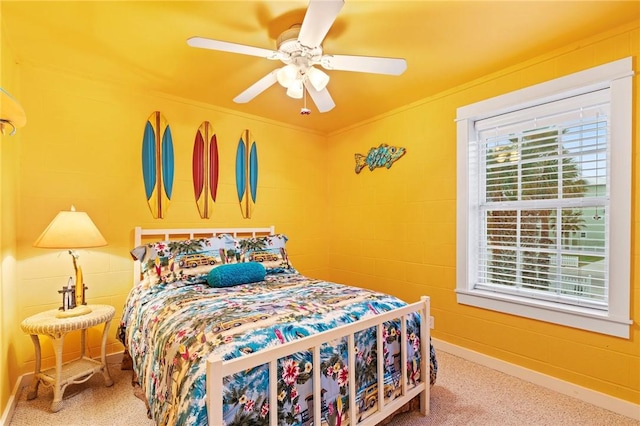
{"x": 570, "y": 316}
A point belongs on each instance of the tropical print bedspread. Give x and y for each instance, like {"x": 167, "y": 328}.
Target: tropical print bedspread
{"x": 170, "y": 330}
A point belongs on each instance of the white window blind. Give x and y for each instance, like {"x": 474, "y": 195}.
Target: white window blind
{"x": 543, "y": 201}
{"x": 543, "y": 215}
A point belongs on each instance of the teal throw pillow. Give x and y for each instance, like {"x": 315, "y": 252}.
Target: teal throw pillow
{"x": 233, "y": 274}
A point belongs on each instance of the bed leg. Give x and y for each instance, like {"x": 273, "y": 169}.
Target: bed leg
{"x": 425, "y": 342}
{"x": 127, "y": 362}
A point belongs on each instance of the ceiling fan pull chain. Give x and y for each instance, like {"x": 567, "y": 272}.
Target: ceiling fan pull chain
{"x": 304, "y": 110}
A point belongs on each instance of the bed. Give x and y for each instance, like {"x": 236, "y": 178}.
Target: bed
{"x": 221, "y": 329}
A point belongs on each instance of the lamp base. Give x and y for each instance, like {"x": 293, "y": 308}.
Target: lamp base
{"x": 74, "y": 312}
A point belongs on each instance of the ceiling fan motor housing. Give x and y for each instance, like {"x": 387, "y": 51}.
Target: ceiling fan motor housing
{"x": 288, "y": 40}
{"x": 294, "y": 52}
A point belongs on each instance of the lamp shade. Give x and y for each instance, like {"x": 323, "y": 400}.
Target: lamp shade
{"x": 69, "y": 230}
{"x": 287, "y": 75}
{"x": 295, "y": 89}
{"x": 318, "y": 78}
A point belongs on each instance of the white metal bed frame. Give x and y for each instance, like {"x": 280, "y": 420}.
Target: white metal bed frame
{"x": 217, "y": 368}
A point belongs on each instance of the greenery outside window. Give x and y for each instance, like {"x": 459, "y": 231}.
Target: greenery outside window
{"x": 544, "y": 200}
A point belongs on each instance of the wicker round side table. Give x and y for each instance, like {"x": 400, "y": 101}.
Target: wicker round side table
{"x": 76, "y": 371}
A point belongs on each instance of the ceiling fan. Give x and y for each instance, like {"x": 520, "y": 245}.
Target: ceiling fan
{"x": 300, "y": 49}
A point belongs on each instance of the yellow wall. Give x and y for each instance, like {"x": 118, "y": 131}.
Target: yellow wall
{"x": 9, "y": 146}
{"x": 395, "y": 230}
{"x": 83, "y": 146}
{"x": 392, "y": 230}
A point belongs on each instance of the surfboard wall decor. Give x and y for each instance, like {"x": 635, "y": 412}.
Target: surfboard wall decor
{"x": 157, "y": 164}
{"x": 247, "y": 173}
{"x": 205, "y": 169}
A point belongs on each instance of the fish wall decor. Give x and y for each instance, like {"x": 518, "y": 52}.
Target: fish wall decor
{"x": 382, "y": 156}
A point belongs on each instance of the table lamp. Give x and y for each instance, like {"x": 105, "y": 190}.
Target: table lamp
{"x": 72, "y": 230}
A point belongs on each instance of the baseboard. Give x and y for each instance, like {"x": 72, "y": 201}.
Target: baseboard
{"x": 25, "y": 380}
{"x": 598, "y": 399}
{"x": 7, "y": 414}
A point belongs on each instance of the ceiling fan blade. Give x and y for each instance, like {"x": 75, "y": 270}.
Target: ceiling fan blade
{"x": 370, "y": 64}
{"x": 225, "y": 46}
{"x": 256, "y": 88}
{"x": 317, "y": 21}
{"x": 322, "y": 99}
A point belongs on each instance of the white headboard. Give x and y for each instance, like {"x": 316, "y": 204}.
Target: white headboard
{"x": 144, "y": 235}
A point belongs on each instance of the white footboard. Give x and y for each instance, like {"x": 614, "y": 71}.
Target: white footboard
{"x": 217, "y": 369}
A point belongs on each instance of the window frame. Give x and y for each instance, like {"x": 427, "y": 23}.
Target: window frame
{"x": 617, "y": 77}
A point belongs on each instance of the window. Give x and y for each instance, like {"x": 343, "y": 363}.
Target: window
{"x": 544, "y": 201}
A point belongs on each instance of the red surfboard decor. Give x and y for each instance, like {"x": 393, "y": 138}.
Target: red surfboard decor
{"x": 205, "y": 166}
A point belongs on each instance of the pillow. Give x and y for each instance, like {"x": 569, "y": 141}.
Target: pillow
{"x": 164, "y": 262}
{"x": 233, "y": 274}
{"x": 269, "y": 250}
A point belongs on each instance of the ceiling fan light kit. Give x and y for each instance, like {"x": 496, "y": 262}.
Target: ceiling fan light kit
{"x": 287, "y": 75}
{"x": 300, "y": 48}
{"x": 295, "y": 89}
{"x": 318, "y": 78}
{"x": 292, "y": 77}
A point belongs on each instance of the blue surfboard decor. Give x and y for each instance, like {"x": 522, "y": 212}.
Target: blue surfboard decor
{"x": 157, "y": 164}
{"x": 247, "y": 173}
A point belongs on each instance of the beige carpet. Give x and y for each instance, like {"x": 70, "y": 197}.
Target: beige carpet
{"x": 465, "y": 394}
